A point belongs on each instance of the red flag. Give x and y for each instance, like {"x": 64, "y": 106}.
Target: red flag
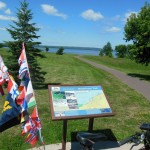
{"x": 1, "y": 79}
{"x": 21, "y": 96}
{"x": 34, "y": 140}
{"x": 3, "y": 72}
{"x": 22, "y": 55}
{"x": 35, "y": 118}
{"x": 27, "y": 127}
{"x": 29, "y": 137}
{"x": 12, "y": 88}
{"x": 34, "y": 113}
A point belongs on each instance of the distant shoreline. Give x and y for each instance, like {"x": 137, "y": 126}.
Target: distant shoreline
{"x": 70, "y": 47}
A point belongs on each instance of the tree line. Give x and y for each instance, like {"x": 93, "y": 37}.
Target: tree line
{"x": 121, "y": 51}
{"x": 136, "y": 30}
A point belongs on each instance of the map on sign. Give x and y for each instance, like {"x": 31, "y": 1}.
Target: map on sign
{"x": 79, "y": 100}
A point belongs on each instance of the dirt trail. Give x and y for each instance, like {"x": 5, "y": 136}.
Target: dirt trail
{"x": 140, "y": 86}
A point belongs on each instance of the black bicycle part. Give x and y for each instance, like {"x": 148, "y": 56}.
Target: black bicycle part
{"x": 87, "y": 140}
{"x": 136, "y": 139}
{"x": 145, "y": 126}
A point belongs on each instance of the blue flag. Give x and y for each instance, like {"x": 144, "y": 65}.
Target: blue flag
{"x": 11, "y": 114}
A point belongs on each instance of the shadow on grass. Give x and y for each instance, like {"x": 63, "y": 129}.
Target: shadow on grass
{"x": 111, "y": 141}
{"x": 140, "y": 76}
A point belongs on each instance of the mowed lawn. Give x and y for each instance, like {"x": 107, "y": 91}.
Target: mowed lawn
{"x": 128, "y": 66}
{"x": 131, "y": 108}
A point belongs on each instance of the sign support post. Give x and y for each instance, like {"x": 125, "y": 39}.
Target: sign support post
{"x": 91, "y": 122}
{"x": 64, "y": 135}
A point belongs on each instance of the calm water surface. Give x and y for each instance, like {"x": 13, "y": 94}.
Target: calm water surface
{"x": 94, "y": 52}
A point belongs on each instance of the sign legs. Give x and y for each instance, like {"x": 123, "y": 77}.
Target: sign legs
{"x": 64, "y": 135}
{"x": 91, "y": 122}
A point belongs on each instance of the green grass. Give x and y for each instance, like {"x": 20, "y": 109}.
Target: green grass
{"x": 131, "y": 108}
{"x": 125, "y": 65}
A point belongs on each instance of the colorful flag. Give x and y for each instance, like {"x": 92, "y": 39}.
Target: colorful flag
{"x": 15, "y": 110}
{"x": 11, "y": 114}
{"x": 36, "y": 119}
{"x": 23, "y": 68}
{"x": 34, "y": 128}
{"x": 34, "y": 115}
{"x": 25, "y": 78}
{"x": 30, "y": 95}
{"x": 34, "y": 140}
{"x": 27, "y": 126}
{"x": 32, "y": 133}
{"x": 21, "y": 97}
{"x": 2, "y": 80}
{"x": 24, "y": 111}
{"x": 23, "y": 63}
{"x": 3, "y": 72}
{"x": 12, "y": 88}
{"x": 22, "y": 55}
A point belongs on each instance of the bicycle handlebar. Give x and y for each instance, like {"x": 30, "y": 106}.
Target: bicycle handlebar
{"x": 136, "y": 138}
{"x": 129, "y": 139}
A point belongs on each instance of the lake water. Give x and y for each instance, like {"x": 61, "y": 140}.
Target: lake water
{"x": 94, "y": 51}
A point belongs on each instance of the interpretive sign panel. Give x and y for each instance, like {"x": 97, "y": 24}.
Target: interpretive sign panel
{"x": 70, "y": 102}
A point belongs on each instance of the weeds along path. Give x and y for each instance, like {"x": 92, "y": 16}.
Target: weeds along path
{"x": 140, "y": 86}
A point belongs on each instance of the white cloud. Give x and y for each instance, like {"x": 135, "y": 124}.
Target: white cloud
{"x": 2, "y": 5}
{"x": 128, "y": 14}
{"x": 8, "y": 11}
{"x": 2, "y": 17}
{"x": 51, "y": 10}
{"x": 4, "y": 29}
{"x": 4, "y": 8}
{"x": 113, "y": 29}
{"x": 91, "y": 15}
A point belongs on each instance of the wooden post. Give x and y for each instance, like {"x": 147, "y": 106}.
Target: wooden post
{"x": 91, "y": 122}
{"x": 64, "y": 135}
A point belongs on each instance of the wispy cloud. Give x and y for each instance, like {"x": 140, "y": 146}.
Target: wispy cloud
{"x": 4, "y": 29}
{"x": 2, "y": 5}
{"x": 8, "y": 11}
{"x": 113, "y": 29}
{"x": 51, "y": 10}
{"x": 3, "y": 17}
{"x": 91, "y": 15}
{"x": 128, "y": 14}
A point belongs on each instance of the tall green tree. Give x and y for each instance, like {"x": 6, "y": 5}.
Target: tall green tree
{"x": 46, "y": 48}
{"x": 101, "y": 53}
{"x": 121, "y": 51}
{"x": 24, "y": 30}
{"x": 131, "y": 51}
{"x": 1, "y": 45}
{"x": 137, "y": 29}
{"x": 60, "y": 51}
{"x": 107, "y": 50}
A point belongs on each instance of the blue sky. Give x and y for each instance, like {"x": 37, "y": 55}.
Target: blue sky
{"x": 85, "y": 23}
